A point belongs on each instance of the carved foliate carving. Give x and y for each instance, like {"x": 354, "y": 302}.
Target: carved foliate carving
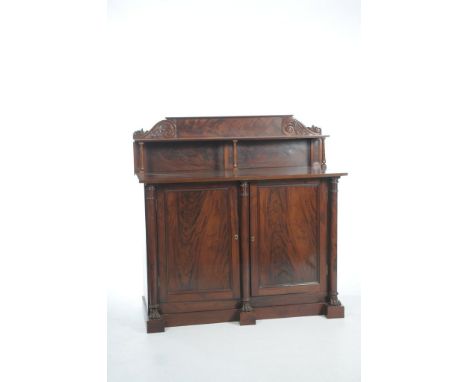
{"x": 153, "y": 312}
{"x": 139, "y": 134}
{"x": 163, "y": 129}
{"x": 244, "y": 189}
{"x": 333, "y": 299}
{"x": 334, "y": 185}
{"x": 150, "y": 191}
{"x": 246, "y": 307}
{"x": 291, "y": 126}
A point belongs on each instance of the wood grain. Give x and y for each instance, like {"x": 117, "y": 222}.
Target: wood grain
{"x": 184, "y": 156}
{"x": 220, "y": 187}
{"x": 270, "y": 173}
{"x": 242, "y": 127}
{"x": 201, "y": 259}
{"x": 286, "y": 252}
{"x": 273, "y": 154}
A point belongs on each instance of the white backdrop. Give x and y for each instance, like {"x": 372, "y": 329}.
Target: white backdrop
{"x": 190, "y": 58}
{"x": 75, "y": 83}
{"x": 233, "y": 58}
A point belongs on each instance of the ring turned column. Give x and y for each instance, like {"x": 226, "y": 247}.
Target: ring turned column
{"x": 334, "y": 308}
{"x": 155, "y": 322}
{"x": 247, "y": 315}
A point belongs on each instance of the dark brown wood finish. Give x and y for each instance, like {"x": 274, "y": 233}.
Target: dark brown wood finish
{"x": 259, "y": 154}
{"x": 142, "y": 160}
{"x": 288, "y": 242}
{"x": 246, "y": 315}
{"x": 324, "y": 160}
{"x": 246, "y": 174}
{"x": 335, "y": 309}
{"x": 198, "y": 238}
{"x": 241, "y": 219}
{"x": 228, "y": 128}
{"x": 152, "y": 258}
{"x": 168, "y": 157}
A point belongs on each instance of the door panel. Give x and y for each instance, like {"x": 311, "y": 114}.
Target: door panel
{"x": 288, "y": 237}
{"x": 198, "y": 253}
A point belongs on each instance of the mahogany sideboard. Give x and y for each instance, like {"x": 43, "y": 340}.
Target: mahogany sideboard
{"x": 241, "y": 220}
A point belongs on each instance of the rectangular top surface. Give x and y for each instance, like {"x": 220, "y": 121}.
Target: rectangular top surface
{"x": 234, "y": 116}
{"x": 274, "y": 173}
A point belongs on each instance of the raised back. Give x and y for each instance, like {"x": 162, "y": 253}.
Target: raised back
{"x": 214, "y": 147}
{"x": 215, "y": 128}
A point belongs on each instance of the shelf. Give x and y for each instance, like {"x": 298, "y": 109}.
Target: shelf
{"x": 234, "y": 116}
{"x": 204, "y": 139}
{"x": 272, "y": 173}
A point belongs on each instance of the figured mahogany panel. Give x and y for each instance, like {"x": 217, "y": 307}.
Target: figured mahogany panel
{"x": 240, "y": 127}
{"x": 288, "y": 242}
{"x": 184, "y": 156}
{"x": 228, "y": 127}
{"x": 255, "y": 154}
{"x": 198, "y": 248}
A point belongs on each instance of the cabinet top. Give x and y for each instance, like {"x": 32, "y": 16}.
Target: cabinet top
{"x": 250, "y": 174}
{"x": 227, "y": 128}
{"x": 233, "y": 116}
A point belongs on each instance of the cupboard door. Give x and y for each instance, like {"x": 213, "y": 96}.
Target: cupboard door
{"x": 288, "y": 223}
{"x": 198, "y": 242}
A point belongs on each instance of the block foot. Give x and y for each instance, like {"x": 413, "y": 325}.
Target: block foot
{"x": 155, "y": 326}
{"x": 335, "y": 311}
{"x": 247, "y": 318}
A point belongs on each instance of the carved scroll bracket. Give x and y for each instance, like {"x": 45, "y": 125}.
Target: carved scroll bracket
{"x": 291, "y": 126}
{"x": 162, "y": 130}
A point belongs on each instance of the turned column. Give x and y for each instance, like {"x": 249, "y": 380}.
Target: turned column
{"x": 142, "y": 158}
{"x": 234, "y": 154}
{"x": 335, "y": 309}
{"x": 247, "y": 316}
{"x": 315, "y": 154}
{"x": 322, "y": 155}
{"x": 152, "y": 261}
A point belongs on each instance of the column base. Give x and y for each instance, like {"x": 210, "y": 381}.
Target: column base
{"x": 152, "y": 325}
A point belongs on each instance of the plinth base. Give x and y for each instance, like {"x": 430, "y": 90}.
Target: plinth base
{"x": 247, "y": 318}
{"x": 334, "y": 311}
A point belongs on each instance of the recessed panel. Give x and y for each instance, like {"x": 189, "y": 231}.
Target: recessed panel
{"x": 199, "y": 256}
{"x": 199, "y": 247}
{"x": 286, "y": 153}
{"x": 288, "y": 225}
{"x": 288, "y": 235}
{"x": 184, "y": 156}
